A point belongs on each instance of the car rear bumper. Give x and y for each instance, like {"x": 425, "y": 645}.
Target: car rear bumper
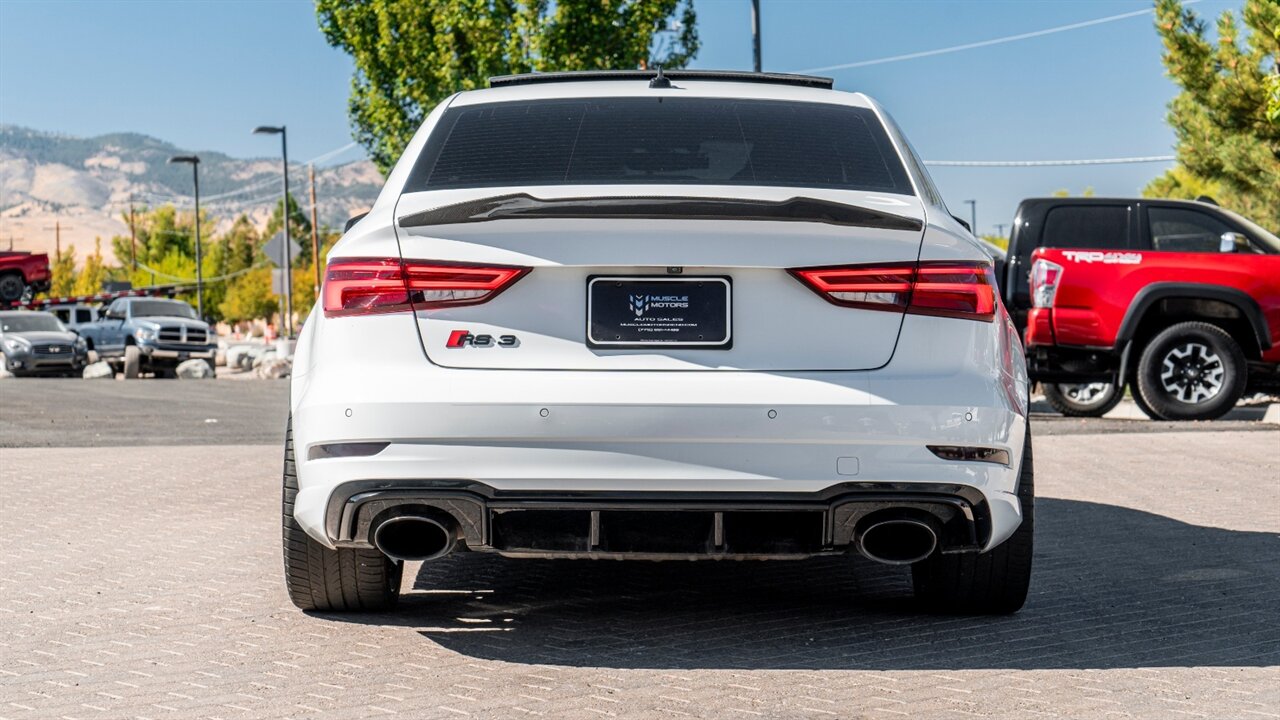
{"x": 375, "y": 414}
{"x": 657, "y": 525}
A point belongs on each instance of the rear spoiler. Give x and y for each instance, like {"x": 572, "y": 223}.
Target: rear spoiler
{"x": 796, "y": 209}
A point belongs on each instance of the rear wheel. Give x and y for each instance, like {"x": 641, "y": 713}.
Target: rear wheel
{"x": 346, "y": 579}
{"x": 1191, "y": 371}
{"x": 994, "y": 582}
{"x": 1083, "y": 399}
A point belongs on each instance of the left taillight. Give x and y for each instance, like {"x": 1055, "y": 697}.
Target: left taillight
{"x": 961, "y": 290}
{"x": 364, "y": 286}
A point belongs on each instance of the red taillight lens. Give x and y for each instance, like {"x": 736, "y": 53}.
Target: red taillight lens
{"x": 361, "y": 286}
{"x": 963, "y": 290}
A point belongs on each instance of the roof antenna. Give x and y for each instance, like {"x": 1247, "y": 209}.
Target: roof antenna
{"x": 660, "y": 81}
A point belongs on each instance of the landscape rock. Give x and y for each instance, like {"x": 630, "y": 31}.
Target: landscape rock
{"x": 237, "y": 355}
{"x": 100, "y": 370}
{"x": 4, "y": 373}
{"x": 259, "y": 359}
{"x": 275, "y": 368}
{"x": 194, "y": 370}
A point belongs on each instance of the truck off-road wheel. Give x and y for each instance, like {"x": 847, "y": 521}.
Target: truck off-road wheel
{"x": 1191, "y": 371}
{"x": 132, "y": 362}
{"x": 346, "y": 579}
{"x": 11, "y": 288}
{"x": 1083, "y": 399}
{"x": 991, "y": 583}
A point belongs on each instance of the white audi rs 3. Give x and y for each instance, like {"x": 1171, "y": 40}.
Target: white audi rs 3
{"x": 636, "y": 315}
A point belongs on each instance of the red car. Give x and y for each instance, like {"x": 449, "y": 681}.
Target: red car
{"x": 20, "y": 272}
{"x": 1180, "y": 300}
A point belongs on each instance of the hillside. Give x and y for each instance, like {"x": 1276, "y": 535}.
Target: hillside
{"x": 86, "y": 185}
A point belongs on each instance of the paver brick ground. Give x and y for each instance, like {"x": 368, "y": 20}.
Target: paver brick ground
{"x": 146, "y": 583}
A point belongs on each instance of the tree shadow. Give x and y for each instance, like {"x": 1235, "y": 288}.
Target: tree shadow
{"x": 1112, "y": 587}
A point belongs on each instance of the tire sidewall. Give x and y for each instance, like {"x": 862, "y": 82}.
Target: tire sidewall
{"x": 1221, "y": 343}
{"x": 1062, "y": 403}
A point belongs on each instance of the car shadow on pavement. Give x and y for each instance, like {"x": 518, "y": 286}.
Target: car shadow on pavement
{"x": 1113, "y": 587}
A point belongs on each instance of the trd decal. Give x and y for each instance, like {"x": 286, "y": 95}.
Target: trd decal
{"x": 1106, "y": 258}
{"x": 464, "y": 338}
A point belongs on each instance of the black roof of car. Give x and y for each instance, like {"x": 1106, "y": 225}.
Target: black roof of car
{"x": 810, "y": 81}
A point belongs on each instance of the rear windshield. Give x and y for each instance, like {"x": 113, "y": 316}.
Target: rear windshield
{"x": 680, "y": 141}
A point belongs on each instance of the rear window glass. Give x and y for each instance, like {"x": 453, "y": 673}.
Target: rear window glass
{"x": 1087, "y": 226}
{"x": 681, "y": 141}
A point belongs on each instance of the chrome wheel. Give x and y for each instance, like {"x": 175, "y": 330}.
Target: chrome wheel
{"x": 1192, "y": 373}
{"x": 1086, "y": 394}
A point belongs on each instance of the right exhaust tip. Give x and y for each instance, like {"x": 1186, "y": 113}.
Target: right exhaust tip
{"x": 412, "y": 538}
{"x": 897, "y": 541}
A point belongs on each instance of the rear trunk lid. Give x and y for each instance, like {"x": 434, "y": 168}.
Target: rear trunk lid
{"x": 660, "y": 285}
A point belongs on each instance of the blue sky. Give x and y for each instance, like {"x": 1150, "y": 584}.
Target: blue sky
{"x": 201, "y": 74}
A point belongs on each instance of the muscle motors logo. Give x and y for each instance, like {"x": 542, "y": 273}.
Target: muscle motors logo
{"x": 1105, "y": 258}
{"x": 640, "y": 304}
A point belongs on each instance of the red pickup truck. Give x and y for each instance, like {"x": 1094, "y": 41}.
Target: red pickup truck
{"x": 1179, "y": 300}
{"x": 20, "y": 271}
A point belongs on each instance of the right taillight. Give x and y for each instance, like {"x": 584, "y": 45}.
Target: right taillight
{"x": 1045, "y": 277}
{"x": 364, "y": 286}
{"x": 948, "y": 289}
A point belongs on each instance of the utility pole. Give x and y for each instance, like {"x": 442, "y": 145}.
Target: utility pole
{"x": 973, "y": 216}
{"x": 315, "y": 230}
{"x": 999, "y": 230}
{"x": 755, "y": 33}
{"x": 57, "y": 238}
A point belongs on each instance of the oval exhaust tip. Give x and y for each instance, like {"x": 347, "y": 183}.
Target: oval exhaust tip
{"x": 899, "y": 541}
{"x": 411, "y": 538}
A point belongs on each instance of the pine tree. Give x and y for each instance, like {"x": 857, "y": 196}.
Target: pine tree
{"x": 1226, "y": 130}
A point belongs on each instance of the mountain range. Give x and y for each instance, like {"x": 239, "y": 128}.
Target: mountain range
{"x": 85, "y": 186}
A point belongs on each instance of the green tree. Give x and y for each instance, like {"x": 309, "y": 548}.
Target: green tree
{"x": 62, "y": 271}
{"x": 411, "y": 54}
{"x": 299, "y": 228}
{"x": 1221, "y": 120}
{"x": 89, "y": 281}
{"x": 249, "y": 296}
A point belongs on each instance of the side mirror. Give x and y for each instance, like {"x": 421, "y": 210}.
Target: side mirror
{"x": 1231, "y": 242}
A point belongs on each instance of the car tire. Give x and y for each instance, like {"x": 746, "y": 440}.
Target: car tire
{"x": 342, "y": 580}
{"x": 990, "y": 583}
{"x": 132, "y": 362}
{"x": 11, "y": 289}
{"x": 1083, "y": 399}
{"x": 1142, "y": 404}
{"x": 1191, "y": 371}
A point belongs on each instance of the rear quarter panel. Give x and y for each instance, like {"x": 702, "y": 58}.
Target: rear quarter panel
{"x": 1098, "y": 287}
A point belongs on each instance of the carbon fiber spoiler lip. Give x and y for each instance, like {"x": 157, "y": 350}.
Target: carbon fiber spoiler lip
{"x": 519, "y": 206}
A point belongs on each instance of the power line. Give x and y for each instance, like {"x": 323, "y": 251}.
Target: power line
{"x": 1049, "y": 163}
{"x": 985, "y": 43}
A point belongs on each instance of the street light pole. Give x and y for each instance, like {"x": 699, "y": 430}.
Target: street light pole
{"x": 755, "y": 33}
{"x": 288, "y": 261}
{"x": 973, "y": 216}
{"x": 194, "y": 162}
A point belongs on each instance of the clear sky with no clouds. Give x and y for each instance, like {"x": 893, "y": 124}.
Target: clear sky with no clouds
{"x": 201, "y": 74}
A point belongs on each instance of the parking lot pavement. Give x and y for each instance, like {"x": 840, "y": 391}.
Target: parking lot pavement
{"x": 148, "y": 584}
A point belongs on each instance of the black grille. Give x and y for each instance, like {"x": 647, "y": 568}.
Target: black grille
{"x": 180, "y": 335}
{"x": 53, "y": 349}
